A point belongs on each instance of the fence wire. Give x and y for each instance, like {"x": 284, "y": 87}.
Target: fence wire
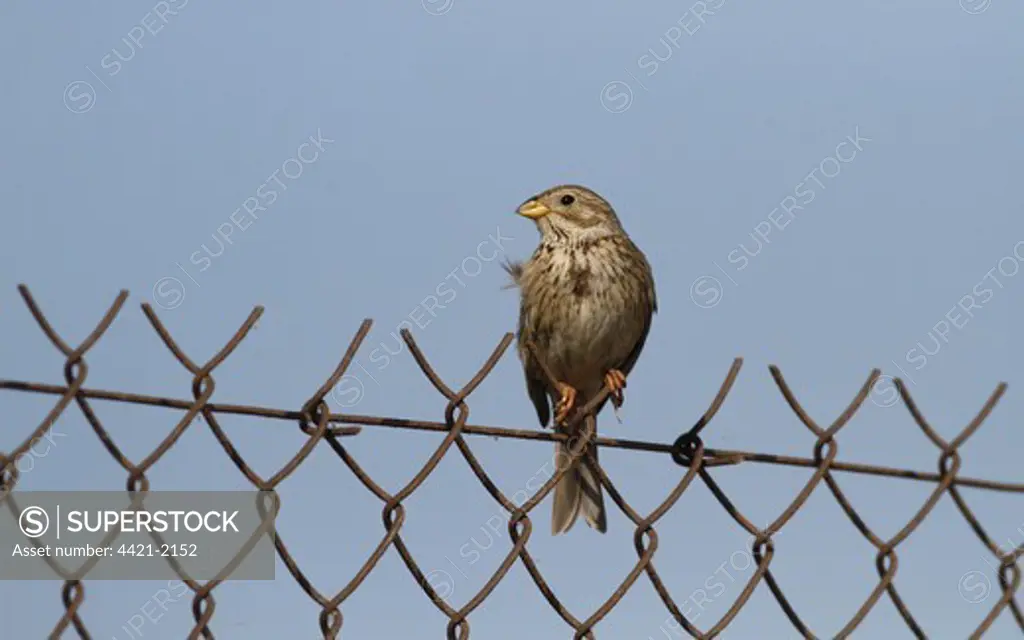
{"x": 321, "y": 426}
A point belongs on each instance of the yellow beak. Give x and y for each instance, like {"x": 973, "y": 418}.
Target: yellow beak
{"x": 533, "y": 209}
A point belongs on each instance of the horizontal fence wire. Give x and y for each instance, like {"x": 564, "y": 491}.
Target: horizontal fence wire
{"x": 321, "y": 426}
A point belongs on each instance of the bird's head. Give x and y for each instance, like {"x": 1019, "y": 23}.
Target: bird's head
{"x": 571, "y": 212}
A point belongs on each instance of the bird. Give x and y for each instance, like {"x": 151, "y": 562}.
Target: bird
{"x": 587, "y": 300}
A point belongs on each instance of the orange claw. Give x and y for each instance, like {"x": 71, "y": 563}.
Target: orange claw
{"x": 565, "y": 404}
{"x": 616, "y": 382}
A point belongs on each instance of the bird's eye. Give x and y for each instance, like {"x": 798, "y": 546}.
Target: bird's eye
{"x": 567, "y": 200}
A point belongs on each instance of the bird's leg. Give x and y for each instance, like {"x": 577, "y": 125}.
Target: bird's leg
{"x": 565, "y": 403}
{"x": 616, "y": 382}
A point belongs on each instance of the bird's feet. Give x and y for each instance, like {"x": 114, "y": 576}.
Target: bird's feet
{"x": 616, "y": 382}
{"x": 565, "y": 403}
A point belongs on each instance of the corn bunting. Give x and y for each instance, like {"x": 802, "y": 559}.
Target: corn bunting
{"x": 586, "y": 303}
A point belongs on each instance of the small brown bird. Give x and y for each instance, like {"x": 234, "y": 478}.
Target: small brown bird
{"x": 587, "y": 299}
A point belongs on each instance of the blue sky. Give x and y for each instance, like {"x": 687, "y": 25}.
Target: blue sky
{"x": 828, "y": 187}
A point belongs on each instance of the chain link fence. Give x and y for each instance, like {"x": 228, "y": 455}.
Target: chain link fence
{"x": 695, "y": 460}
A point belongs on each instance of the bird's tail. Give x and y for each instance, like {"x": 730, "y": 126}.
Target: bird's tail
{"x": 579, "y": 490}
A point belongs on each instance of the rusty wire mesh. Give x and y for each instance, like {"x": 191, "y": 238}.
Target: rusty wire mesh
{"x": 316, "y": 421}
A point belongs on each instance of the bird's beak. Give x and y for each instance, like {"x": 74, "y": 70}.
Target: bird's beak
{"x": 533, "y": 209}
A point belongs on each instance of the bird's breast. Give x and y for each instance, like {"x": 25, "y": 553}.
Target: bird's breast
{"x": 584, "y": 311}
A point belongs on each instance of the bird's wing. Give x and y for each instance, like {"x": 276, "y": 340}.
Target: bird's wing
{"x": 537, "y": 387}
{"x": 536, "y": 381}
{"x": 627, "y": 364}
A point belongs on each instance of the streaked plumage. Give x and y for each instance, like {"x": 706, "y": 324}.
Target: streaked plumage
{"x": 587, "y": 299}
